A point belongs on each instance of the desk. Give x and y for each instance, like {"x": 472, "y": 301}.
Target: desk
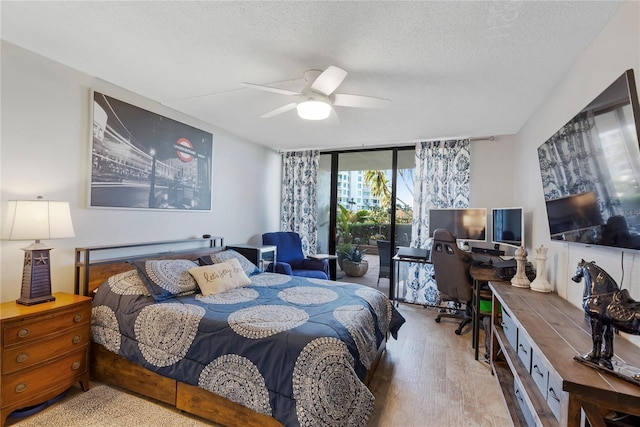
{"x": 479, "y": 275}
{"x": 406, "y": 254}
{"x": 256, "y": 253}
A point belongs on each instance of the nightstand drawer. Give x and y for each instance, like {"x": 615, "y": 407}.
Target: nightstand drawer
{"x": 37, "y": 327}
{"x": 25, "y": 385}
{"x": 20, "y": 357}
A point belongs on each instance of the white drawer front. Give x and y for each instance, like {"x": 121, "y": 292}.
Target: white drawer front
{"x": 555, "y": 395}
{"x": 540, "y": 373}
{"x": 523, "y": 399}
{"x": 524, "y": 350}
{"x": 510, "y": 330}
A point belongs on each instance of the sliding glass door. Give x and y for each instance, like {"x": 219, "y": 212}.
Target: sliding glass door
{"x": 365, "y": 201}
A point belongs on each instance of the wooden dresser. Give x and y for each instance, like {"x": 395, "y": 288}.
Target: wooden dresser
{"x": 44, "y": 350}
{"x": 534, "y": 339}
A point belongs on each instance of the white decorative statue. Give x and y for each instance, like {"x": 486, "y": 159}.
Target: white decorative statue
{"x": 520, "y": 280}
{"x": 540, "y": 283}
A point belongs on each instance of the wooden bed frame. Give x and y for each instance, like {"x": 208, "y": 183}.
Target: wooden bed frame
{"x": 110, "y": 368}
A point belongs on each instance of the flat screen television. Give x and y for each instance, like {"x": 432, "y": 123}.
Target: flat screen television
{"x": 507, "y": 226}
{"x": 467, "y": 224}
{"x": 590, "y": 171}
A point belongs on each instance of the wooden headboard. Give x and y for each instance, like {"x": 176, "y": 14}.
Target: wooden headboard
{"x": 91, "y": 273}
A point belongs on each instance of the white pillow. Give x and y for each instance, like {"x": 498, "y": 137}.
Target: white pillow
{"x": 216, "y": 278}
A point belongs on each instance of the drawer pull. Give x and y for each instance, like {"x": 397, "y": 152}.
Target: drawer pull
{"x": 22, "y": 357}
{"x": 75, "y": 365}
{"x": 77, "y": 339}
{"x": 522, "y": 349}
{"x": 23, "y": 332}
{"x": 518, "y": 395}
{"x": 553, "y": 394}
{"x": 77, "y": 317}
{"x": 538, "y": 371}
{"x": 21, "y": 387}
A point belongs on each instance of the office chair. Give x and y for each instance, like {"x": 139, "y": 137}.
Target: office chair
{"x": 291, "y": 260}
{"x": 451, "y": 266}
{"x": 384, "y": 255}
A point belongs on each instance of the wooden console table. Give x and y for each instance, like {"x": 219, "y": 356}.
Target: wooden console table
{"x": 534, "y": 339}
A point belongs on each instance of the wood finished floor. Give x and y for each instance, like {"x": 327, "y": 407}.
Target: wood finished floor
{"x": 428, "y": 377}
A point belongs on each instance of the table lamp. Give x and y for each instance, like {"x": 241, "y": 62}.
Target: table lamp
{"x": 37, "y": 220}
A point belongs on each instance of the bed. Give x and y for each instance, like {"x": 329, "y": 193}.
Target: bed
{"x": 278, "y": 350}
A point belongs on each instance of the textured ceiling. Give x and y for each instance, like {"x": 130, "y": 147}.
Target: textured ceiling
{"x": 450, "y": 68}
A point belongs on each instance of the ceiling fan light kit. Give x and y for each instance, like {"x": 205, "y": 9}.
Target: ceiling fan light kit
{"x": 313, "y": 110}
{"x": 319, "y": 97}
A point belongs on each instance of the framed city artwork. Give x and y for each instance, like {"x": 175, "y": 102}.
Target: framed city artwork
{"x": 142, "y": 160}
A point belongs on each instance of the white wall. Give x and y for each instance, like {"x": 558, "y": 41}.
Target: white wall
{"x": 615, "y": 49}
{"x": 492, "y": 172}
{"x": 45, "y": 150}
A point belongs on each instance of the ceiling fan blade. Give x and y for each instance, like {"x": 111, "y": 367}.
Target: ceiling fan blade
{"x": 270, "y": 89}
{"x": 359, "y": 101}
{"x": 329, "y": 80}
{"x": 279, "y": 110}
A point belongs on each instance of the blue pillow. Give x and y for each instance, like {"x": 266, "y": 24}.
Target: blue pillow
{"x": 250, "y": 269}
{"x": 167, "y": 278}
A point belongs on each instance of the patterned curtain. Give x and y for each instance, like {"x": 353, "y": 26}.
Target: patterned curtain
{"x": 299, "y": 198}
{"x": 441, "y": 181}
{"x": 572, "y": 162}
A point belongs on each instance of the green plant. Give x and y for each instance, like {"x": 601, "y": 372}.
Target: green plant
{"x": 355, "y": 254}
{"x": 343, "y": 248}
{"x": 346, "y": 221}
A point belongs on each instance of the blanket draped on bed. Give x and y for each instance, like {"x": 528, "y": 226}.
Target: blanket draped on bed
{"x": 293, "y": 348}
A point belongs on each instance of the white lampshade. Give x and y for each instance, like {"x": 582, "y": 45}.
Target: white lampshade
{"x": 313, "y": 110}
{"x": 37, "y": 220}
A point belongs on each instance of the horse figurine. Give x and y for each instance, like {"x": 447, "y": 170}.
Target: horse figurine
{"x": 608, "y": 308}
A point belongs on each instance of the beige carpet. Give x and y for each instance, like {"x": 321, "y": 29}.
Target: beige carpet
{"x": 104, "y": 406}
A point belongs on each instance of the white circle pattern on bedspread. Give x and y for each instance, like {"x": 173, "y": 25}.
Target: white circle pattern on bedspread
{"x": 326, "y": 388}
{"x": 269, "y": 279}
{"x": 127, "y": 283}
{"x": 359, "y": 322}
{"x": 265, "y": 320}
{"x": 165, "y": 331}
{"x": 104, "y": 328}
{"x": 381, "y": 307}
{"x": 239, "y": 380}
{"x": 307, "y": 295}
{"x": 232, "y": 296}
{"x": 172, "y": 276}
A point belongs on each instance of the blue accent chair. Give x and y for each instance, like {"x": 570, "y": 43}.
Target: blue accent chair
{"x": 290, "y": 258}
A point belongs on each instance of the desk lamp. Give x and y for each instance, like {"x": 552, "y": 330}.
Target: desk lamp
{"x": 37, "y": 220}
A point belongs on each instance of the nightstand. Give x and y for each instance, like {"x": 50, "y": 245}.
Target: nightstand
{"x": 44, "y": 350}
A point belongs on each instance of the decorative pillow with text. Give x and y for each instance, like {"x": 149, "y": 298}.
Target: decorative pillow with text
{"x": 249, "y": 268}
{"x": 220, "y": 277}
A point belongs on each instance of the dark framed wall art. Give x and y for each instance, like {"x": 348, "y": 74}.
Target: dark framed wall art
{"x": 142, "y": 160}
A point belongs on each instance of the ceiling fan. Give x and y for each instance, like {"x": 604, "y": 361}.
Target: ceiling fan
{"x": 317, "y": 99}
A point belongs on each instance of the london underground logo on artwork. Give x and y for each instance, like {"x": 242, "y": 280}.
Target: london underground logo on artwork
{"x": 184, "y": 149}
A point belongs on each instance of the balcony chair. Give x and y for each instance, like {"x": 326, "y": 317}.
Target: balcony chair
{"x": 290, "y": 258}
{"x": 451, "y": 266}
{"x": 384, "y": 254}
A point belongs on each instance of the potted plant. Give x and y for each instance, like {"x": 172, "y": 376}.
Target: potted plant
{"x": 354, "y": 263}
{"x": 341, "y": 251}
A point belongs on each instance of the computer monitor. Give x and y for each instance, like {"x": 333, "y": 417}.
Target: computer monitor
{"x": 467, "y": 224}
{"x": 508, "y": 226}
